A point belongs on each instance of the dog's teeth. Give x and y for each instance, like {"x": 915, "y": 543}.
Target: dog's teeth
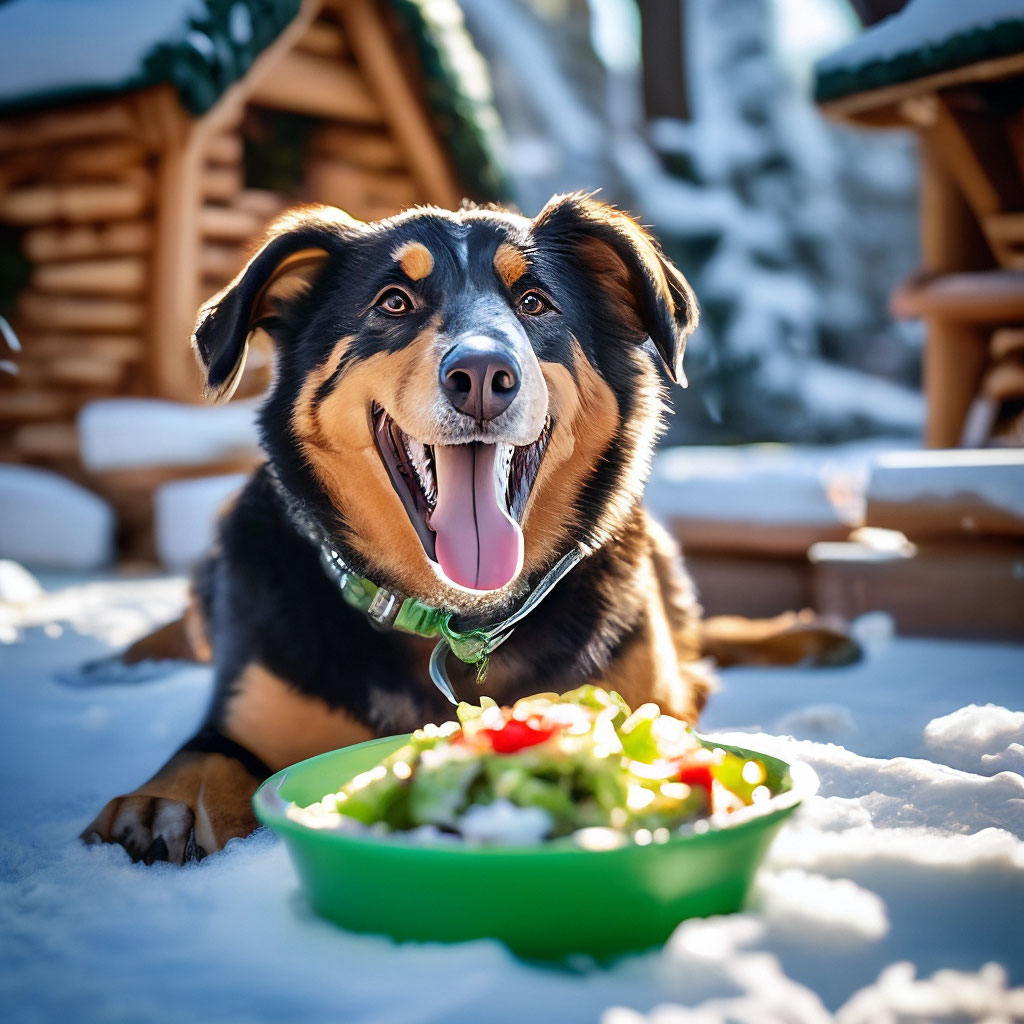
{"x": 420, "y": 460}
{"x": 502, "y": 468}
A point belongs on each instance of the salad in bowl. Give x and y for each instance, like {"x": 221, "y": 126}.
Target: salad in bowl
{"x": 549, "y": 766}
{"x": 563, "y": 824}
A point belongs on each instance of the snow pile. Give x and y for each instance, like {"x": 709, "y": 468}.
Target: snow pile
{"x": 128, "y": 433}
{"x": 185, "y": 516}
{"x": 893, "y": 897}
{"x": 993, "y": 476}
{"x": 769, "y": 484}
{"x": 947, "y": 996}
{"x": 47, "y": 520}
{"x": 985, "y": 739}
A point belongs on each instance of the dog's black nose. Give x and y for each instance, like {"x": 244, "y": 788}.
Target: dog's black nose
{"x": 480, "y": 376}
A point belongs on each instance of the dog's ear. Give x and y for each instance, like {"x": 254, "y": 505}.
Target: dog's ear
{"x": 628, "y": 265}
{"x": 286, "y": 264}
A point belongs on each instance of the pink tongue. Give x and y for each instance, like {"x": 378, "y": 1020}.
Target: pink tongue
{"x": 478, "y": 546}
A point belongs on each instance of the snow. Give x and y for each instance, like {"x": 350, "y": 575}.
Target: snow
{"x": 128, "y": 433}
{"x": 791, "y": 230}
{"x": 892, "y": 897}
{"x": 185, "y": 514}
{"x": 995, "y": 476}
{"x": 764, "y": 483}
{"x": 983, "y": 739}
{"x": 47, "y": 520}
{"x": 920, "y": 25}
{"x": 42, "y": 59}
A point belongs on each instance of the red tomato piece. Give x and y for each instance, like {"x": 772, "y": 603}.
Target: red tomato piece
{"x": 515, "y": 735}
{"x": 696, "y": 775}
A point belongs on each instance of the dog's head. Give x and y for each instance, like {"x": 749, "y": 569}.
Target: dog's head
{"x": 458, "y": 397}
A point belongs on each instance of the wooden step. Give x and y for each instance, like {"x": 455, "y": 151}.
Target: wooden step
{"x": 949, "y": 494}
{"x": 966, "y": 590}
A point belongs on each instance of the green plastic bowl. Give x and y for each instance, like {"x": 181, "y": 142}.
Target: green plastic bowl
{"x": 543, "y": 902}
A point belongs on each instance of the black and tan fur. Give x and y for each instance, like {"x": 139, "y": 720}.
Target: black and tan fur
{"x": 297, "y": 670}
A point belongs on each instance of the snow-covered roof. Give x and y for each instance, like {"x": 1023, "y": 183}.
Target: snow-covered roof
{"x": 925, "y": 38}
{"x": 57, "y": 50}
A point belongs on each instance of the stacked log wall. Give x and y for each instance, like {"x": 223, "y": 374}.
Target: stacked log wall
{"x": 79, "y": 187}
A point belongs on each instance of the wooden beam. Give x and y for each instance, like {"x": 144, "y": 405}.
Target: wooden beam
{"x": 304, "y": 83}
{"x": 46, "y": 441}
{"x": 96, "y": 159}
{"x": 1007, "y": 341}
{"x": 261, "y": 201}
{"x": 220, "y": 262}
{"x": 93, "y": 122}
{"x": 955, "y": 353}
{"x": 85, "y": 371}
{"x": 377, "y": 59}
{"x": 225, "y": 149}
{"x": 374, "y": 150}
{"x": 1004, "y": 381}
{"x": 992, "y": 297}
{"x": 343, "y": 185}
{"x": 972, "y": 143}
{"x": 175, "y": 283}
{"x": 31, "y": 404}
{"x": 176, "y": 290}
{"x": 122, "y": 275}
{"x": 221, "y": 183}
{"x": 228, "y": 223}
{"x": 78, "y": 202}
{"x": 65, "y": 313}
{"x": 112, "y": 348}
{"x": 117, "y": 238}
{"x": 866, "y": 107}
{"x": 324, "y": 39}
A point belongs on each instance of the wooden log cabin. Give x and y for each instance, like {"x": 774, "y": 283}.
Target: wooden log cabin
{"x": 954, "y": 73}
{"x": 143, "y": 147}
{"x": 943, "y": 552}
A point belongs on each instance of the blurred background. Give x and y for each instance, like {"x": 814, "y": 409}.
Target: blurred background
{"x": 840, "y": 180}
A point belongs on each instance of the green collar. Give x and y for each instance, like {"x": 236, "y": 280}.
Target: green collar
{"x": 388, "y": 609}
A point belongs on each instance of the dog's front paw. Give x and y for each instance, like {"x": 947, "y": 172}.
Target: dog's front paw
{"x": 150, "y": 828}
{"x": 191, "y": 807}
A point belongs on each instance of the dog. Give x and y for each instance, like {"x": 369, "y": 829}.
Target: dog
{"x": 462, "y": 418}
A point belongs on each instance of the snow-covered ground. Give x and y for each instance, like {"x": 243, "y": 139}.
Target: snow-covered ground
{"x": 896, "y": 896}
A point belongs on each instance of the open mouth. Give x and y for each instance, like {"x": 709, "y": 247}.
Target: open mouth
{"x": 465, "y": 501}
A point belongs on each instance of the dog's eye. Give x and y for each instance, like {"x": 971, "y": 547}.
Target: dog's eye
{"x": 395, "y": 302}
{"x": 533, "y": 304}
